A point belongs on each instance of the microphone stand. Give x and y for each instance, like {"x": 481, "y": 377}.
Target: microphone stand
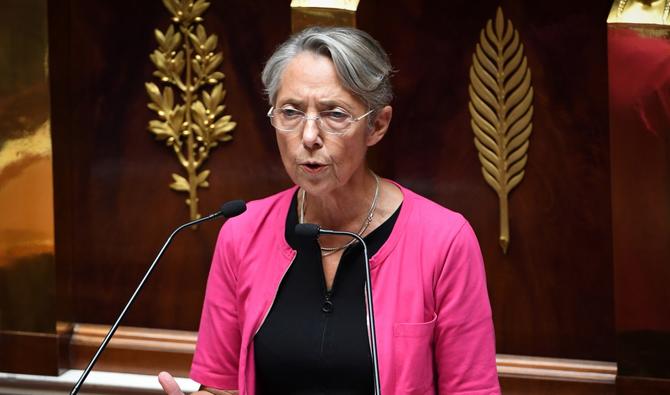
{"x": 315, "y": 230}
{"x": 112, "y": 330}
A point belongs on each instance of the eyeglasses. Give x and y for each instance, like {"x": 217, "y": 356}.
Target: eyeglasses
{"x": 331, "y": 121}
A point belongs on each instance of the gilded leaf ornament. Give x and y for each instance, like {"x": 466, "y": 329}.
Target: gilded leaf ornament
{"x": 189, "y": 97}
{"x": 501, "y": 111}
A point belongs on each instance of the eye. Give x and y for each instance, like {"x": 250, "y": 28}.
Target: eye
{"x": 335, "y": 115}
{"x": 290, "y": 113}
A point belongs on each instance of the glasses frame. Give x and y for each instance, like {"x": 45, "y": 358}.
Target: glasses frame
{"x": 318, "y": 121}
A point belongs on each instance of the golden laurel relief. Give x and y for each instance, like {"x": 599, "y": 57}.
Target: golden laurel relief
{"x": 191, "y": 121}
{"x": 501, "y": 108}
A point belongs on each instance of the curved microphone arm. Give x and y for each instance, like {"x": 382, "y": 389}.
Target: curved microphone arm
{"x": 313, "y": 231}
{"x": 228, "y": 210}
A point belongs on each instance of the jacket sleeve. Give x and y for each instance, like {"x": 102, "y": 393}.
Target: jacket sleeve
{"x": 216, "y": 358}
{"x": 464, "y": 337}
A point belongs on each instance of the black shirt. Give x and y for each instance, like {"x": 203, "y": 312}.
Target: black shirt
{"x": 314, "y": 340}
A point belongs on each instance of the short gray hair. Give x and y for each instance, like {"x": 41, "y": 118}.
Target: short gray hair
{"x": 360, "y": 62}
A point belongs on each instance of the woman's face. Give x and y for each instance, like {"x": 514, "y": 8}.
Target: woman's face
{"x": 318, "y": 161}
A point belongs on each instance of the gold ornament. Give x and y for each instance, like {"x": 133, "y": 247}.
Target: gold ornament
{"x": 656, "y": 12}
{"x": 193, "y": 122}
{"x": 501, "y": 107}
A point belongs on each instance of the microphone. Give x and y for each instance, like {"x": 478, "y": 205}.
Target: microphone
{"x": 308, "y": 231}
{"x": 312, "y": 231}
{"x": 228, "y": 210}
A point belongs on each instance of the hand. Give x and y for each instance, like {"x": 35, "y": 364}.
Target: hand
{"x": 171, "y": 387}
{"x": 169, "y": 384}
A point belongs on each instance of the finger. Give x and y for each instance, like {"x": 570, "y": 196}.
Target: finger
{"x": 169, "y": 384}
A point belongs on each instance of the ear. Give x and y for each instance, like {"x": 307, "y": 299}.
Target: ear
{"x": 380, "y": 126}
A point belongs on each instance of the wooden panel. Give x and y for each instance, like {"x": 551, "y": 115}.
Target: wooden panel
{"x": 552, "y": 293}
{"x": 133, "y": 350}
{"x": 27, "y": 269}
{"x": 644, "y": 353}
{"x": 523, "y": 386}
{"x": 29, "y": 353}
{"x": 115, "y": 205}
{"x": 641, "y": 386}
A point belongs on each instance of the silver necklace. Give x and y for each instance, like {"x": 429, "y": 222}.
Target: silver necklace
{"x": 325, "y": 251}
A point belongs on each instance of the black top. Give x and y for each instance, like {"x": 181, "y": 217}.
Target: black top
{"x": 314, "y": 340}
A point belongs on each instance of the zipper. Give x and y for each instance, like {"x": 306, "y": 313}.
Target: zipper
{"x": 327, "y": 306}
{"x": 326, "y": 318}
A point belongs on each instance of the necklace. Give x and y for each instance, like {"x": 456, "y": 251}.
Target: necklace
{"x": 325, "y": 251}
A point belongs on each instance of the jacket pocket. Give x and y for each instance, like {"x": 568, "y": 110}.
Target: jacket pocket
{"x": 413, "y": 357}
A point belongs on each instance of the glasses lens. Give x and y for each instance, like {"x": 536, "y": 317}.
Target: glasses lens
{"x": 286, "y": 119}
{"x": 335, "y": 121}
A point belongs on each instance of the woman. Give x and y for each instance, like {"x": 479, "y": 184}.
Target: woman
{"x": 287, "y": 316}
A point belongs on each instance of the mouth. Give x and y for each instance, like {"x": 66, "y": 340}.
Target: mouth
{"x": 312, "y": 167}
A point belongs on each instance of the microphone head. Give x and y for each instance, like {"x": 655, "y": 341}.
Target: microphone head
{"x": 233, "y": 208}
{"x": 307, "y": 231}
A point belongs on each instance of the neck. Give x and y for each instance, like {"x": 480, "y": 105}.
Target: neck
{"x": 344, "y": 208}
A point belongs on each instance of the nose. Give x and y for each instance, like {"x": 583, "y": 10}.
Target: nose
{"x": 311, "y": 136}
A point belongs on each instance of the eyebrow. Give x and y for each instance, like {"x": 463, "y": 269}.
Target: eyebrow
{"x": 334, "y": 103}
{"x": 324, "y": 103}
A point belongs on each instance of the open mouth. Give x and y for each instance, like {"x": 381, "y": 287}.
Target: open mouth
{"x": 313, "y": 167}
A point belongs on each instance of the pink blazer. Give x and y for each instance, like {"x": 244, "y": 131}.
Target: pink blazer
{"x": 433, "y": 317}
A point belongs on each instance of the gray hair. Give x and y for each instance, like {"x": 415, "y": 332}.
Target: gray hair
{"x": 362, "y": 65}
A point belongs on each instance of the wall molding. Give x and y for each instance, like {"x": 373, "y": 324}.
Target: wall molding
{"x": 106, "y": 383}
{"x": 561, "y": 369}
{"x": 141, "y": 339}
{"x": 135, "y": 355}
{"x": 142, "y": 350}
{"x": 132, "y": 349}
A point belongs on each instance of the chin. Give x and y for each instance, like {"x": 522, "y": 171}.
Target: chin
{"x": 315, "y": 188}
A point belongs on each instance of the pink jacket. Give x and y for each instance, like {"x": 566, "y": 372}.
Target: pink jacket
{"x": 434, "y": 328}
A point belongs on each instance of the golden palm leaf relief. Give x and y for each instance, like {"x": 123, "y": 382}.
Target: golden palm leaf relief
{"x": 190, "y": 106}
{"x": 501, "y": 108}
